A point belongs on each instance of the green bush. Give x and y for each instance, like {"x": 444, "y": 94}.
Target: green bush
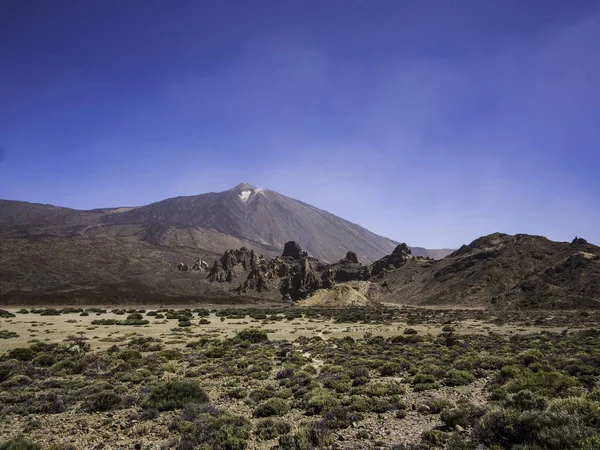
{"x": 4, "y": 314}
{"x": 339, "y": 417}
{"x": 437, "y": 405}
{"x": 238, "y": 393}
{"x": 272, "y": 407}
{"x": 463, "y": 414}
{"x": 318, "y": 401}
{"x": 268, "y": 429}
{"x": 315, "y": 435}
{"x": 21, "y": 354}
{"x": 175, "y": 395}
{"x": 531, "y": 429}
{"x": 217, "y": 430}
{"x": 19, "y": 443}
{"x": 389, "y": 369}
{"x": 456, "y": 377}
{"x": 104, "y": 401}
{"x": 253, "y": 336}
{"x": 384, "y": 389}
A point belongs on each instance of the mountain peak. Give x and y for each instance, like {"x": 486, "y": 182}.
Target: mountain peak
{"x": 243, "y": 187}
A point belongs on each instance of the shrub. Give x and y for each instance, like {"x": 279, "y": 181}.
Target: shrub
{"x": 253, "y": 336}
{"x": 217, "y": 430}
{"x": 434, "y": 437}
{"x": 4, "y": 314}
{"x": 464, "y": 414}
{"x": 424, "y": 382}
{"x": 318, "y": 401}
{"x": 272, "y": 407}
{"x": 315, "y": 435}
{"x": 19, "y": 443}
{"x": 104, "y": 401}
{"x": 238, "y": 393}
{"x": 259, "y": 395}
{"x": 339, "y": 417}
{"x": 532, "y": 429}
{"x": 202, "y": 312}
{"x": 5, "y": 334}
{"x": 359, "y": 404}
{"x": 384, "y": 389}
{"x": 551, "y": 384}
{"x": 175, "y": 395}
{"x": 389, "y": 369}
{"x": 268, "y": 429}
{"x": 437, "y": 405}
{"x": 525, "y": 400}
{"x": 22, "y": 354}
{"x": 456, "y": 377}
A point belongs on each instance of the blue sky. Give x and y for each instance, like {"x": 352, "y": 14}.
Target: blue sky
{"x": 430, "y": 122}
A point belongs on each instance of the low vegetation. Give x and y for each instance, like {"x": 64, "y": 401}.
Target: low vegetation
{"x": 197, "y": 388}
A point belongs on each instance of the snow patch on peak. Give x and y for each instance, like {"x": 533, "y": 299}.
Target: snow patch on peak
{"x": 245, "y": 195}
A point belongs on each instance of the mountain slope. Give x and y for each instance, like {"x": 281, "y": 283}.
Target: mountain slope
{"x": 63, "y": 254}
{"x": 266, "y": 218}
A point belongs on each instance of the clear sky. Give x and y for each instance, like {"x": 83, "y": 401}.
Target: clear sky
{"x": 430, "y": 122}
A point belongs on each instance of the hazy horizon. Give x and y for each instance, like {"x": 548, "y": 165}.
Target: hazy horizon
{"x": 428, "y": 123}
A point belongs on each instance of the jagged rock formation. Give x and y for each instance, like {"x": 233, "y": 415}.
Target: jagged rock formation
{"x": 295, "y": 275}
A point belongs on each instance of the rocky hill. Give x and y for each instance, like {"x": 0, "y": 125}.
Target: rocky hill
{"x": 49, "y": 253}
{"x": 499, "y": 271}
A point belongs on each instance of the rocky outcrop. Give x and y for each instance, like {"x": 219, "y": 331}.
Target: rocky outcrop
{"x": 232, "y": 264}
{"x": 303, "y": 279}
{"x": 294, "y": 274}
{"x": 399, "y": 257}
{"x": 350, "y": 258}
{"x": 292, "y": 250}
